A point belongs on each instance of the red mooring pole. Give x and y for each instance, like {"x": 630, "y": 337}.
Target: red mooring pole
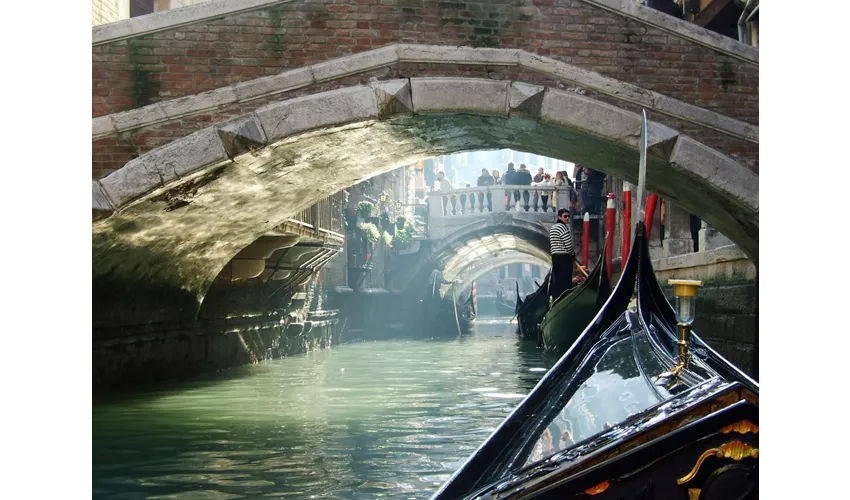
{"x": 627, "y": 223}
{"x": 610, "y": 215}
{"x": 651, "y": 202}
{"x": 585, "y": 240}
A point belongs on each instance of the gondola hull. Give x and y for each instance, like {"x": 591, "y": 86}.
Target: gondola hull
{"x": 530, "y": 312}
{"x": 570, "y": 314}
{"x": 605, "y": 423}
{"x": 505, "y": 308}
{"x": 439, "y": 318}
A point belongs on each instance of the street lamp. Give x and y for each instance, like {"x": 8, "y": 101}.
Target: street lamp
{"x": 685, "y": 305}
{"x": 383, "y": 197}
{"x": 398, "y": 204}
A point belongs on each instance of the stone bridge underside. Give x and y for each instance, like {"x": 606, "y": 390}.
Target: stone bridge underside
{"x": 481, "y": 254}
{"x": 172, "y": 218}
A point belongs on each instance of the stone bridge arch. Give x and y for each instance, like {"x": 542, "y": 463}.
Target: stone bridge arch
{"x": 168, "y": 221}
{"x": 472, "y": 274}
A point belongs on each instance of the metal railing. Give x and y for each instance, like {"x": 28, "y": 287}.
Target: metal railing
{"x": 325, "y": 215}
{"x": 479, "y": 200}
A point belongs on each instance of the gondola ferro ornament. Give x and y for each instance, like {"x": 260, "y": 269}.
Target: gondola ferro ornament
{"x": 686, "y": 294}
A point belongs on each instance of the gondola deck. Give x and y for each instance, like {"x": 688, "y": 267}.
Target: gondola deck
{"x": 602, "y": 422}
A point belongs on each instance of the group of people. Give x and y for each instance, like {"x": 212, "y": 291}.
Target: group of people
{"x": 523, "y": 177}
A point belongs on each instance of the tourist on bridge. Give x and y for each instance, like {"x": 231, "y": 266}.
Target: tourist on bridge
{"x": 443, "y": 184}
{"x": 509, "y": 181}
{"x": 563, "y": 253}
{"x": 523, "y": 177}
{"x": 428, "y": 173}
{"x": 540, "y": 179}
{"x": 484, "y": 180}
{"x": 497, "y": 177}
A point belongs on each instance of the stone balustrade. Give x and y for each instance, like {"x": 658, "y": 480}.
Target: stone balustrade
{"x": 488, "y": 199}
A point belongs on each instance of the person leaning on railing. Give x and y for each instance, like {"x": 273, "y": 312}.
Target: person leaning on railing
{"x": 485, "y": 180}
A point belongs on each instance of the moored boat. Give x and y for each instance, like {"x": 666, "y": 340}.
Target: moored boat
{"x": 609, "y": 420}
{"x": 505, "y": 308}
{"x": 529, "y": 312}
{"x": 571, "y": 312}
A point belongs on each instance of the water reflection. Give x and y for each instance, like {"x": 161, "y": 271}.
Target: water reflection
{"x": 370, "y": 420}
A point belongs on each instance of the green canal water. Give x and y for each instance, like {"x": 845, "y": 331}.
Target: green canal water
{"x": 386, "y": 419}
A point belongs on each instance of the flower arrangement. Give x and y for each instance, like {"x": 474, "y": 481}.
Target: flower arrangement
{"x": 401, "y": 239}
{"x": 364, "y": 209}
{"x": 384, "y": 218}
{"x": 388, "y": 240}
{"x": 370, "y": 230}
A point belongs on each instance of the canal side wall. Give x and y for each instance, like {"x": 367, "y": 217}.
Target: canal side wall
{"x": 126, "y": 357}
{"x": 727, "y": 303}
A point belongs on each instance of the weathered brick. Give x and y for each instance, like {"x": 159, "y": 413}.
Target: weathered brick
{"x": 237, "y": 48}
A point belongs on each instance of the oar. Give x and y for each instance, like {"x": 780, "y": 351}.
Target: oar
{"x": 580, "y": 268}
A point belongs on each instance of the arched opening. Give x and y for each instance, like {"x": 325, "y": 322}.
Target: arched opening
{"x": 185, "y": 210}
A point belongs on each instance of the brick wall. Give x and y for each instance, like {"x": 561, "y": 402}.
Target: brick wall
{"x": 190, "y": 59}
{"x": 203, "y": 56}
{"x": 103, "y": 11}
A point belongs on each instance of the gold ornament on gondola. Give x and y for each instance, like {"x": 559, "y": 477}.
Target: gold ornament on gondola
{"x": 686, "y": 293}
{"x": 741, "y": 427}
{"x": 736, "y": 450}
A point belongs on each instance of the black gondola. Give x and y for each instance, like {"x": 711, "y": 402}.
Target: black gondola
{"x": 571, "y": 312}
{"x": 442, "y": 317}
{"x": 603, "y": 423}
{"x": 529, "y": 312}
{"x": 504, "y": 307}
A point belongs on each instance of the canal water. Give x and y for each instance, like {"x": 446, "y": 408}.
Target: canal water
{"x": 386, "y": 419}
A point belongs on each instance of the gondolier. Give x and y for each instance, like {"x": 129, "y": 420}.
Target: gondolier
{"x": 563, "y": 254}
{"x": 435, "y": 281}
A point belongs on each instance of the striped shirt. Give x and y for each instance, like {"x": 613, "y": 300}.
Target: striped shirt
{"x": 561, "y": 239}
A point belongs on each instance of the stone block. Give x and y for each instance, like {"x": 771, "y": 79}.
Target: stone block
{"x": 177, "y": 159}
{"x": 676, "y": 247}
{"x": 172, "y": 18}
{"x": 360, "y": 62}
{"x": 744, "y": 328}
{"x": 713, "y": 166}
{"x": 335, "y": 107}
{"x": 139, "y": 117}
{"x": 196, "y": 103}
{"x": 705, "y": 117}
{"x": 730, "y": 298}
{"x": 275, "y": 84}
{"x": 99, "y": 201}
{"x": 441, "y": 54}
{"x": 101, "y": 126}
{"x": 458, "y": 95}
{"x": 574, "y": 111}
{"x": 739, "y": 355}
{"x": 525, "y": 100}
{"x": 587, "y": 79}
{"x": 393, "y": 97}
{"x": 242, "y": 135}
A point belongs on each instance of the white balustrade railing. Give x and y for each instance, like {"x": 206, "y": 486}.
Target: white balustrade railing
{"x": 480, "y": 200}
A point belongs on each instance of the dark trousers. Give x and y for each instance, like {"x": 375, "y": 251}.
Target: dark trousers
{"x": 562, "y": 274}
